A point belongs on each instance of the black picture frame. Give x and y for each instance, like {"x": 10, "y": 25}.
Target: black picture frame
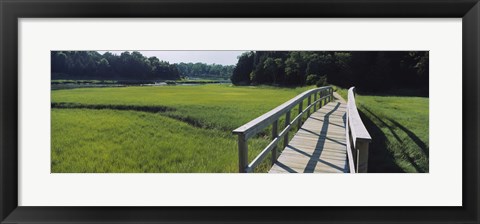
{"x": 11, "y": 10}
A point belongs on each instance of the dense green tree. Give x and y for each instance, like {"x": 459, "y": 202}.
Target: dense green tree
{"x": 202, "y": 70}
{"x": 59, "y": 62}
{"x": 373, "y": 71}
{"x": 272, "y": 67}
{"x": 295, "y": 67}
{"x": 241, "y": 73}
{"x": 103, "y": 66}
{"x": 126, "y": 66}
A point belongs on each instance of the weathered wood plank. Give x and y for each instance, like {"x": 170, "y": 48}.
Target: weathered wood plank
{"x": 300, "y": 159}
{"x": 312, "y": 156}
{"x": 308, "y": 150}
{"x": 319, "y": 146}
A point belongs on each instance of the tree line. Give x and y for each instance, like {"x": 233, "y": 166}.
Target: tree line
{"x": 128, "y": 66}
{"x": 204, "y": 70}
{"x": 373, "y": 71}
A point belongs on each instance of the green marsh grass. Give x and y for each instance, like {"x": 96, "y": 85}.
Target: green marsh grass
{"x": 179, "y": 129}
{"x": 213, "y": 106}
{"x": 136, "y": 142}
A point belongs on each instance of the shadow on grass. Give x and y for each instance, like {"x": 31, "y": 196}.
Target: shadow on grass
{"x": 412, "y": 136}
{"x": 379, "y": 147}
{"x": 380, "y": 160}
{"x": 149, "y": 109}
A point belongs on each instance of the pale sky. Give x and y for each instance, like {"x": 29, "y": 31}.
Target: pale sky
{"x": 208, "y": 57}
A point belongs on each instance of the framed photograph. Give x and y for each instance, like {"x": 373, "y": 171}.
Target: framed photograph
{"x": 252, "y": 111}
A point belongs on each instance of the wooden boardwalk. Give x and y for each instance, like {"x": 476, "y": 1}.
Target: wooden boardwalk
{"x": 320, "y": 144}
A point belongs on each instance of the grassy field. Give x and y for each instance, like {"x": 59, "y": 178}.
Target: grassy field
{"x": 157, "y": 129}
{"x": 209, "y": 106}
{"x": 125, "y": 141}
{"x": 187, "y": 129}
{"x": 399, "y": 129}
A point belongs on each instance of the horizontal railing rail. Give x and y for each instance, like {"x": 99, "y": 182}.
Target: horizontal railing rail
{"x": 358, "y": 138}
{"x": 321, "y": 96}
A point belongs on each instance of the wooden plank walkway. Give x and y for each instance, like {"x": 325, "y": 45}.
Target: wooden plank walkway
{"x": 320, "y": 144}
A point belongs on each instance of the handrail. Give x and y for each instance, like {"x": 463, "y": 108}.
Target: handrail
{"x": 350, "y": 157}
{"x": 272, "y": 117}
{"x": 357, "y": 136}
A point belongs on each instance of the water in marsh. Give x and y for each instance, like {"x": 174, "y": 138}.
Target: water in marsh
{"x": 58, "y": 86}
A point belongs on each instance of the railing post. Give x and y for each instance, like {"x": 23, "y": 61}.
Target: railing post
{"x": 242, "y": 153}
{"x": 273, "y": 118}
{"x": 362, "y": 155}
{"x": 287, "y": 122}
{"x": 274, "y": 135}
{"x": 354, "y": 152}
{"x": 315, "y": 102}
{"x": 320, "y": 103}
{"x": 300, "y": 110}
{"x": 309, "y": 102}
{"x": 327, "y": 94}
{"x": 331, "y": 94}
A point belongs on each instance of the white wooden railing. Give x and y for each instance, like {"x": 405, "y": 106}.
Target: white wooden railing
{"x": 250, "y": 129}
{"x": 358, "y": 138}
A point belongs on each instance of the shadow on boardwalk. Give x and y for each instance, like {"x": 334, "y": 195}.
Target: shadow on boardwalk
{"x": 322, "y": 136}
{"x": 318, "y": 146}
